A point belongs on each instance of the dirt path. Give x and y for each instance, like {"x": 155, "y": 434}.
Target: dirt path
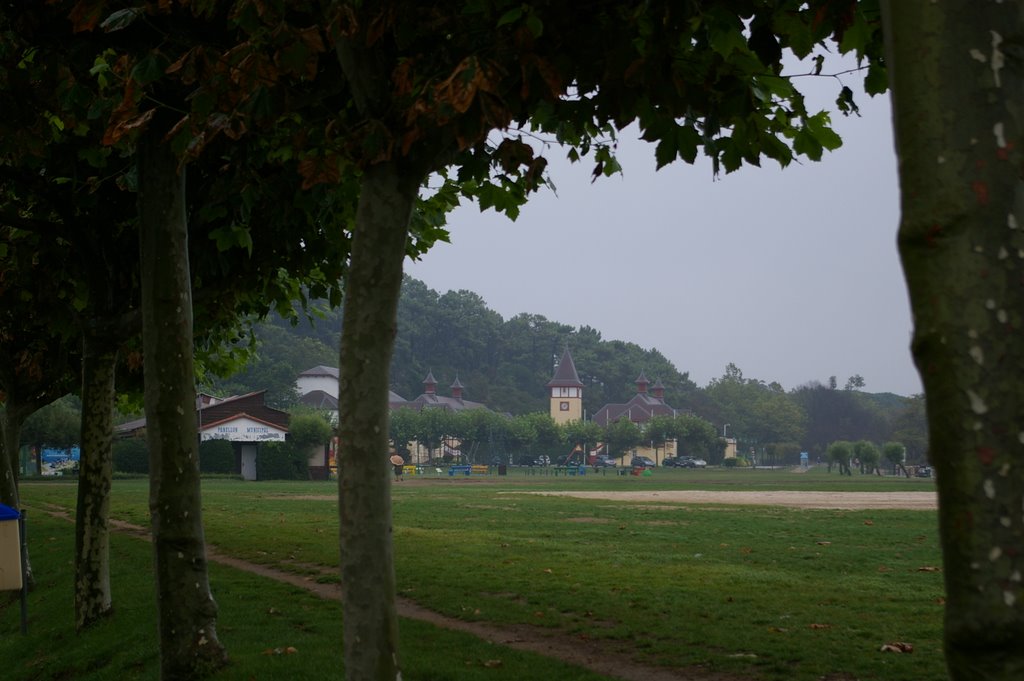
{"x": 601, "y": 658}
{"x": 849, "y": 501}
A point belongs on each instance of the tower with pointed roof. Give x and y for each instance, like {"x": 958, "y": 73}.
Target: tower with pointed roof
{"x": 566, "y": 391}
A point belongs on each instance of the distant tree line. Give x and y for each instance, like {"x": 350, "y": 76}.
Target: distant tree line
{"x": 506, "y": 363}
{"x": 482, "y": 436}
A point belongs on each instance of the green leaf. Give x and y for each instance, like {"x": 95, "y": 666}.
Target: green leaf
{"x": 81, "y": 297}
{"x": 232, "y": 236}
{"x": 818, "y": 126}
{"x": 665, "y": 152}
{"x": 534, "y": 25}
{"x": 794, "y": 33}
{"x": 877, "y": 80}
{"x": 294, "y": 57}
{"x": 732, "y": 156}
{"x": 845, "y": 103}
{"x": 688, "y": 140}
{"x": 28, "y": 58}
{"x": 511, "y": 16}
{"x": 857, "y": 36}
{"x": 805, "y": 144}
{"x": 150, "y": 68}
{"x": 120, "y": 19}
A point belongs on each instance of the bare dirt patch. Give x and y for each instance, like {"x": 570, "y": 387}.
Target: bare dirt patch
{"x": 850, "y": 501}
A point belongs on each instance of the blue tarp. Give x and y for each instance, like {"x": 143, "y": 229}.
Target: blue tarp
{"x": 51, "y": 455}
{"x": 8, "y": 513}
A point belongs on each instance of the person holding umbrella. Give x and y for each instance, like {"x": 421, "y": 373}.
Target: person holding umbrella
{"x": 399, "y": 463}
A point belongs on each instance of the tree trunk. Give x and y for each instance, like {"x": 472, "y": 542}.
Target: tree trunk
{"x": 368, "y": 331}
{"x": 10, "y": 434}
{"x": 92, "y": 537}
{"x": 957, "y": 87}
{"x": 186, "y": 611}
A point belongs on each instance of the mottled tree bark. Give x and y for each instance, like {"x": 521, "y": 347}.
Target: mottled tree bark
{"x": 956, "y": 70}
{"x": 368, "y": 331}
{"x": 92, "y": 537}
{"x": 187, "y": 613}
{"x": 10, "y": 434}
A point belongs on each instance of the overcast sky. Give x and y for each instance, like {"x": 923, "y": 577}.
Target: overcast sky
{"x": 792, "y": 275}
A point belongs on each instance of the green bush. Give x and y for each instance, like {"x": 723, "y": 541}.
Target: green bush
{"x": 281, "y": 461}
{"x": 131, "y": 455}
{"x": 731, "y": 463}
{"x": 217, "y": 456}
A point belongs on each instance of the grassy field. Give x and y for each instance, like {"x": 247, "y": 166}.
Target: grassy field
{"x": 756, "y": 592}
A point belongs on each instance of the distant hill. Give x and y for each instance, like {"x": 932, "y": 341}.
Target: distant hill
{"x": 505, "y": 364}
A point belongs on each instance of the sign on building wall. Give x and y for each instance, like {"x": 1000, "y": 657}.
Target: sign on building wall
{"x": 243, "y": 430}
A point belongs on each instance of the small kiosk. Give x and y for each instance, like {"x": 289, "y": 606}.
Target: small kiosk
{"x": 12, "y": 557}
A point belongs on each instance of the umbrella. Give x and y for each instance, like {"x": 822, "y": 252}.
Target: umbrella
{"x": 396, "y": 460}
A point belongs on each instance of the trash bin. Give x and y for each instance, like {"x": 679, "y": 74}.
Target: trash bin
{"x": 502, "y": 469}
{"x": 10, "y": 549}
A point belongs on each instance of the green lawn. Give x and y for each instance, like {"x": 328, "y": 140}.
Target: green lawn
{"x": 765, "y": 593}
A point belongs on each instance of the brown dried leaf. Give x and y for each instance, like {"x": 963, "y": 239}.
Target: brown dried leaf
{"x": 124, "y": 127}
{"x": 492, "y": 663}
{"x": 897, "y": 647}
{"x": 310, "y": 37}
{"x": 460, "y": 88}
{"x": 319, "y": 170}
{"x": 929, "y": 568}
{"x": 85, "y": 15}
{"x": 820, "y": 626}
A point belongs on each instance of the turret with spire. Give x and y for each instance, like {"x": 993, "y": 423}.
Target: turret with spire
{"x": 566, "y": 391}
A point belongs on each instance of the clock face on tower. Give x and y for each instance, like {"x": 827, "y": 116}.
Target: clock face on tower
{"x": 563, "y": 406}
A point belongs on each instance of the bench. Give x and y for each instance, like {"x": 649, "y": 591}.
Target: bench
{"x": 480, "y": 469}
{"x": 459, "y": 468}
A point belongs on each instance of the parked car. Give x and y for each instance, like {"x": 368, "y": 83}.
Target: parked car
{"x": 642, "y": 462}
{"x": 603, "y": 461}
{"x": 923, "y": 472}
{"x": 685, "y": 462}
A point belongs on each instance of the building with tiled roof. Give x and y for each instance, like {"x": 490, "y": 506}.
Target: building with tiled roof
{"x": 318, "y": 388}
{"x": 431, "y": 400}
{"x": 641, "y": 408}
{"x": 243, "y": 420}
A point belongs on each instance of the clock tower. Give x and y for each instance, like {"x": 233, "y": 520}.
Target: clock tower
{"x": 566, "y": 392}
